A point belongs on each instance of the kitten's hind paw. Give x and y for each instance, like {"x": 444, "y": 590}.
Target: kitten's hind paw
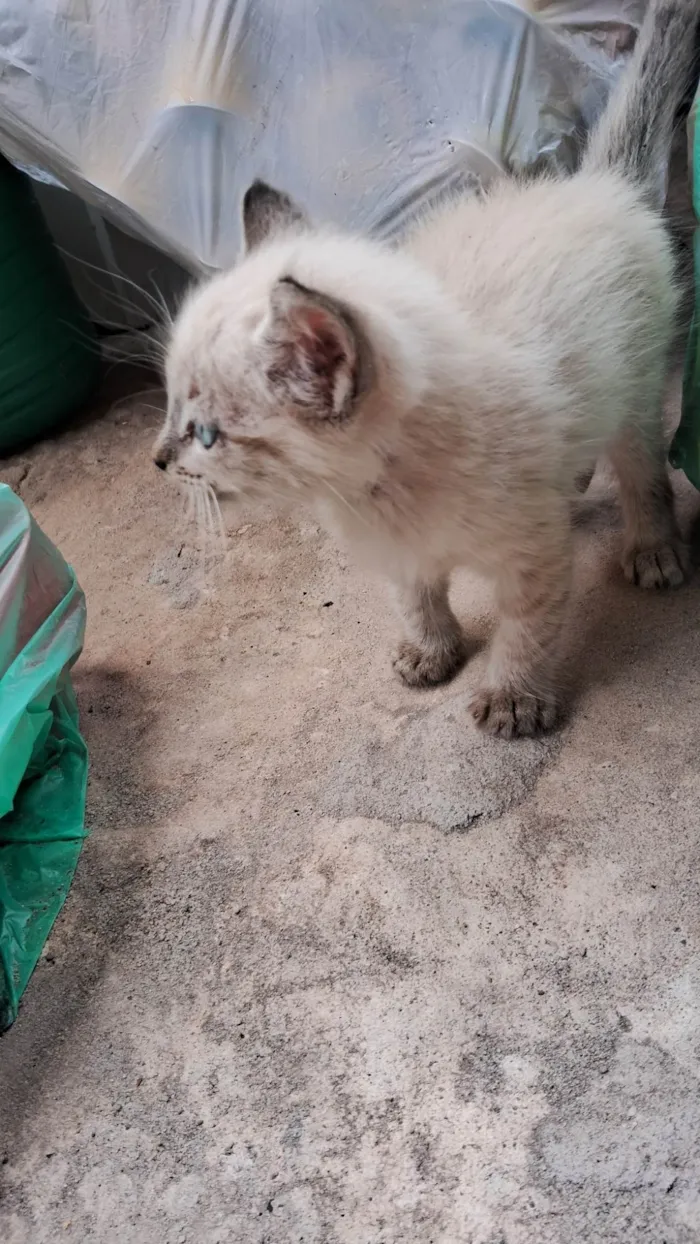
{"x": 508, "y": 714}
{"x": 660, "y": 567}
{"x": 426, "y": 667}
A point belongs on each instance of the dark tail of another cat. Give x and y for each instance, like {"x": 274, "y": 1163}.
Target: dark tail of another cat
{"x": 635, "y": 132}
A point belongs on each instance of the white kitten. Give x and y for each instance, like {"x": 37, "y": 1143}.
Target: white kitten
{"x": 440, "y": 401}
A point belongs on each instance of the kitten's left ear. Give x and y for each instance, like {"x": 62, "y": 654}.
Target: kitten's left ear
{"x": 320, "y": 355}
{"x": 267, "y": 212}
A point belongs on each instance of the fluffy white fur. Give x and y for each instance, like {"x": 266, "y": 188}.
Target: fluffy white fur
{"x": 440, "y": 402}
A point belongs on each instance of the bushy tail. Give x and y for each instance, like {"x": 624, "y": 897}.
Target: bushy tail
{"x": 635, "y": 132}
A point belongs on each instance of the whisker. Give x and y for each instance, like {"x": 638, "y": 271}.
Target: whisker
{"x": 145, "y": 350}
{"x": 218, "y": 531}
{"x": 218, "y": 517}
{"x": 161, "y": 299}
{"x": 345, "y": 501}
{"x": 112, "y": 276}
{"x": 110, "y": 296}
{"x": 154, "y": 324}
{"x": 160, "y": 410}
{"x": 91, "y": 342}
{"x": 154, "y": 388}
{"x": 201, "y": 507}
{"x": 123, "y": 405}
{"x": 109, "y": 353}
{"x": 199, "y": 526}
{"x": 188, "y": 497}
{"x": 114, "y": 357}
{"x": 206, "y": 517}
{"x": 209, "y": 532}
{"x": 145, "y": 338}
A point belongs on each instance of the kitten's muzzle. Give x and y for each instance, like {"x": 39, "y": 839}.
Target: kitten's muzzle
{"x": 164, "y": 452}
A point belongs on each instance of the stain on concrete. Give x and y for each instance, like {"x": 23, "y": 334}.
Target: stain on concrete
{"x": 434, "y": 767}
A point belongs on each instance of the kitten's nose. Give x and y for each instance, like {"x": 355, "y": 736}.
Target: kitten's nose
{"x": 162, "y": 453}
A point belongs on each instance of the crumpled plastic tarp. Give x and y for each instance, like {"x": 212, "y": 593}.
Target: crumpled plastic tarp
{"x": 161, "y": 112}
{"x": 43, "y": 757}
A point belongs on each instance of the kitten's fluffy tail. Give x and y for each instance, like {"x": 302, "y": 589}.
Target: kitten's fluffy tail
{"x": 635, "y": 132}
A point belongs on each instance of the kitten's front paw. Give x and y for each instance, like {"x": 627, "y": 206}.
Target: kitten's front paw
{"x": 508, "y": 714}
{"x": 661, "y": 567}
{"x": 426, "y": 667}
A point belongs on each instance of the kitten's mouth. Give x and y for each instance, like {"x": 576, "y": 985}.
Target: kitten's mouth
{"x": 190, "y": 479}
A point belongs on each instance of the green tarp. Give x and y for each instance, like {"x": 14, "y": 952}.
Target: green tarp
{"x": 43, "y": 757}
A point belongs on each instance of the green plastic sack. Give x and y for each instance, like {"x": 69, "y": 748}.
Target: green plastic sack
{"x": 685, "y": 449}
{"x": 43, "y": 757}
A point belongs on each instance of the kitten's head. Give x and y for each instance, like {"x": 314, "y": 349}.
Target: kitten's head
{"x": 291, "y": 370}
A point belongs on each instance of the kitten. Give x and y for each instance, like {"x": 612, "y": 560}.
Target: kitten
{"x": 441, "y": 401}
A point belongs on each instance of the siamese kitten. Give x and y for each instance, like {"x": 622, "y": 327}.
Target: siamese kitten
{"x": 440, "y": 401}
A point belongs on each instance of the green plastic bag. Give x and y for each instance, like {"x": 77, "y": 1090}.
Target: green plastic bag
{"x": 685, "y": 449}
{"x": 43, "y": 757}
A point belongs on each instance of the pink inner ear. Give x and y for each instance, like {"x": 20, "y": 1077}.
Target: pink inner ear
{"x": 320, "y": 339}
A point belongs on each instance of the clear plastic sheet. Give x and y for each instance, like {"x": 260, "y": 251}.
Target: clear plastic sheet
{"x": 161, "y": 112}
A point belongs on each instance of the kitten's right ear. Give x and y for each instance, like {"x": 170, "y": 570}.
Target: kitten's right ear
{"x": 267, "y": 212}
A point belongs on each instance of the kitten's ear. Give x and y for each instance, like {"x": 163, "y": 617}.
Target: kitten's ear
{"x": 320, "y": 356}
{"x": 266, "y": 212}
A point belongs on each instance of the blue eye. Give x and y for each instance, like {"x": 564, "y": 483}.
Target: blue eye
{"x": 206, "y": 434}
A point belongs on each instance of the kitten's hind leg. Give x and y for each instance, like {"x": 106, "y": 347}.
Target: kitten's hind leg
{"x": 654, "y": 555}
{"x": 434, "y": 648}
{"x": 520, "y": 693}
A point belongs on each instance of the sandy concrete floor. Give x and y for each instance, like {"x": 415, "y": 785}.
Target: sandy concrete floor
{"x": 334, "y": 969}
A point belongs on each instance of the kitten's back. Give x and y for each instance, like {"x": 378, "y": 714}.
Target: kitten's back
{"x": 529, "y": 257}
{"x": 577, "y": 275}
{"x": 575, "y": 279}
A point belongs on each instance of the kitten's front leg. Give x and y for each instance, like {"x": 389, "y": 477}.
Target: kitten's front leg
{"x": 520, "y": 693}
{"x": 434, "y": 648}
